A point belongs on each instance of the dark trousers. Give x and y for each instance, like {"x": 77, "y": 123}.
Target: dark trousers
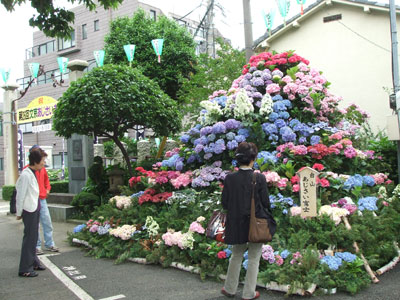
{"x": 29, "y": 260}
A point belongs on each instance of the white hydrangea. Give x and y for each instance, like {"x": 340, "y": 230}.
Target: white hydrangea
{"x": 229, "y": 105}
{"x": 121, "y": 202}
{"x": 243, "y": 105}
{"x": 213, "y": 111}
{"x": 335, "y": 213}
{"x": 187, "y": 240}
{"x": 152, "y": 226}
{"x": 266, "y": 105}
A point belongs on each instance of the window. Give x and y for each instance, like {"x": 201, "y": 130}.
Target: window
{"x": 332, "y": 18}
{"x": 66, "y": 43}
{"x": 57, "y": 161}
{"x": 84, "y": 32}
{"x": 25, "y": 128}
{"x": 1, "y": 164}
{"x": 96, "y": 25}
{"x": 153, "y": 14}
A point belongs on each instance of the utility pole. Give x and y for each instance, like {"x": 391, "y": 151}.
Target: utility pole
{"x": 210, "y": 29}
{"x": 395, "y": 69}
{"x": 248, "y": 30}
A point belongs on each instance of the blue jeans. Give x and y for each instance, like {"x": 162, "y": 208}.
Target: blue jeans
{"x": 45, "y": 221}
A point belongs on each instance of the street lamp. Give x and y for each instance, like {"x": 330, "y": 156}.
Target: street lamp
{"x": 130, "y": 52}
{"x": 158, "y": 46}
{"x": 99, "y": 57}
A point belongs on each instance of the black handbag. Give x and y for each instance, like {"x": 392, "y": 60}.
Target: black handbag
{"x": 13, "y": 202}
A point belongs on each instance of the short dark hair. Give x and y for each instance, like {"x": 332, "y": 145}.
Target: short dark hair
{"x": 245, "y": 153}
{"x": 36, "y": 155}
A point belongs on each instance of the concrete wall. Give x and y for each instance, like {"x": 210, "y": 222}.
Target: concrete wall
{"x": 353, "y": 53}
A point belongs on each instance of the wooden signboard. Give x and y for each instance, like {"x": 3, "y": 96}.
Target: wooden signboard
{"x": 308, "y": 191}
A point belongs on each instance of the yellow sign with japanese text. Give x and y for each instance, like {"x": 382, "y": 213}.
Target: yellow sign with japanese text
{"x": 40, "y": 108}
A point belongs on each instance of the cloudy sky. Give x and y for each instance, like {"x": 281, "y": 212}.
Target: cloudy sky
{"x": 16, "y": 35}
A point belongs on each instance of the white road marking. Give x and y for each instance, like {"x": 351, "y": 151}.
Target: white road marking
{"x": 72, "y": 286}
{"x": 114, "y": 297}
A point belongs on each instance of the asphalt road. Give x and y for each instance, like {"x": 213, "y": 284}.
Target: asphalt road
{"x": 72, "y": 273}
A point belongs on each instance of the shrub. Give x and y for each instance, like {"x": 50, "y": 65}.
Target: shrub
{"x": 86, "y": 202}
{"x": 7, "y": 192}
{"x": 59, "y": 186}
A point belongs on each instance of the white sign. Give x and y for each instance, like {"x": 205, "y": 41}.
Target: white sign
{"x": 40, "y": 128}
{"x": 308, "y": 192}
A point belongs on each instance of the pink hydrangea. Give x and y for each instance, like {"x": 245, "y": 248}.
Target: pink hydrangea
{"x": 350, "y": 152}
{"x": 295, "y": 210}
{"x": 273, "y": 88}
{"x": 196, "y": 227}
{"x": 279, "y": 260}
{"x": 282, "y": 183}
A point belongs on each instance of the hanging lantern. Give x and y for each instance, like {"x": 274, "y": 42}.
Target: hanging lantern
{"x": 34, "y": 69}
{"x": 301, "y": 2}
{"x": 269, "y": 20}
{"x": 62, "y": 64}
{"x": 158, "y": 46}
{"x": 130, "y": 52}
{"x": 5, "y": 75}
{"x": 99, "y": 57}
{"x": 284, "y": 6}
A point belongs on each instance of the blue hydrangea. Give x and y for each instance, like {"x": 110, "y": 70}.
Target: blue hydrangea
{"x": 230, "y": 136}
{"x": 245, "y": 264}
{"x": 277, "y": 98}
{"x": 273, "y": 116}
{"x": 302, "y": 140}
{"x": 101, "y": 230}
{"x": 79, "y": 228}
{"x": 179, "y": 165}
{"x": 294, "y": 122}
{"x": 346, "y": 256}
{"x": 245, "y": 132}
{"x": 185, "y": 138}
{"x": 287, "y": 134}
{"x": 138, "y": 194}
{"x": 278, "y": 106}
{"x": 269, "y": 128}
{"x": 228, "y": 252}
{"x": 353, "y": 181}
{"x": 368, "y": 180}
{"x": 315, "y": 139}
{"x": 333, "y": 262}
{"x": 240, "y": 138}
{"x": 198, "y": 148}
{"x": 368, "y": 203}
{"x": 170, "y": 163}
{"x": 284, "y": 115}
{"x": 219, "y": 146}
{"x": 209, "y": 148}
{"x": 287, "y": 103}
{"x": 285, "y": 253}
{"x": 246, "y": 255}
{"x": 221, "y": 100}
{"x": 211, "y": 137}
{"x": 231, "y": 145}
{"x": 268, "y": 157}
{"x": 194, "y": 131}
{"x": 191, "y": 159}
{"x": 280, "y": 123}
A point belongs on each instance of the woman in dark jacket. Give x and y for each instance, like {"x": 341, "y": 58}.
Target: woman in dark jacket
{"x": 236, "y": 199}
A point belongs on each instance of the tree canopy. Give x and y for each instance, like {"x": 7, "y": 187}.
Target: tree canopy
{"x": 212, "y": 74}
{"x": 111, "y": 99}
{"x": 178, "y": 55}
{"x": 55, "y": 21}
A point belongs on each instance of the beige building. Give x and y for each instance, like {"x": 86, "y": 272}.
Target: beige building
{"x": 350, "y": 42}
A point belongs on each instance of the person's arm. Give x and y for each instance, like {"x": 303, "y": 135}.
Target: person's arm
{"x": 264, "y": 194}
{"x": 22, "y": 187}
{"x": 225, "y": 194}
{"x": 47, "y": 185}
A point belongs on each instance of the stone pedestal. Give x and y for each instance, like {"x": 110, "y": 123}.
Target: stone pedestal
{"x": 10, "y": 134}
{"x": 98, "y": 150}
{"x": 80, "y": 147}
{"x": 118, "y": 156}
{"x": 143, "y": 148}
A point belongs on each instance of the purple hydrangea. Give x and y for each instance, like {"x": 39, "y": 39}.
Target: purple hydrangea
{"x": 185, "y": 138}
{"x": 200, "y": 141}
{"x": 248, "y": 76}
{"x": 198, "y": 148}
{"x": 269, "y": 128}
{"x": 219, "y": 128}
{"x": 257, "y": 73}
{"x": 231, "y": 145}
{"x": 194, "y": 131}
{"x": 207, "y": 156}
{"x": 209, "y": 148}
{"x": 240, "y": 138}
{"x": 287, "y": 134}
{"x": 257, "y": 82}
{"x": 205, "y": 130}
{"x": 252, "y": 69}
{"x": 266, "y": 76}
{"x": 230, "y": 136}
{"x": 219, "y": 146}
{"x": 232, "y": 124}
{"x": 257, "y": 95}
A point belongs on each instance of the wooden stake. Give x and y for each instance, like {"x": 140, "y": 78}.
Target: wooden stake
{"x": 162, "y": 146}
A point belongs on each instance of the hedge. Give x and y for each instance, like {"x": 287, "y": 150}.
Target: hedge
{"x": 60, "y": 186}
{"x": 7, "y": 192}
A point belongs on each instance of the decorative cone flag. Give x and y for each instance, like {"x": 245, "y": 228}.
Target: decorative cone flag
{"x": 283, "y": 6}
{"x": 130, "y": 52}
{"x": 62, "y": 64}
{"x": 158, "y": 46}
{"x": 34, "y": 69}
{"x": 301, "y": 2}
{"x": 99, "y": 57}
{"x": 157, "y": 140}
{"x": 269, "y": 19}
{"x": 5, "y": 75}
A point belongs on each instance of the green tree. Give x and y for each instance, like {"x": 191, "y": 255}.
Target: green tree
{"x": 178, "y": 55}
{"x": 213, "y": 74}
{"x": 112, "y": 99}
{"x": 55, "y": 21}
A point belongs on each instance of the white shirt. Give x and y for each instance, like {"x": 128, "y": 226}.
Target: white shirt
{"x": 27, "y": 192}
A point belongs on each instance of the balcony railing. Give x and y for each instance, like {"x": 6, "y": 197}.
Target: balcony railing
{"x": 47, "y": 76}
{"x": 39, "y": 50}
